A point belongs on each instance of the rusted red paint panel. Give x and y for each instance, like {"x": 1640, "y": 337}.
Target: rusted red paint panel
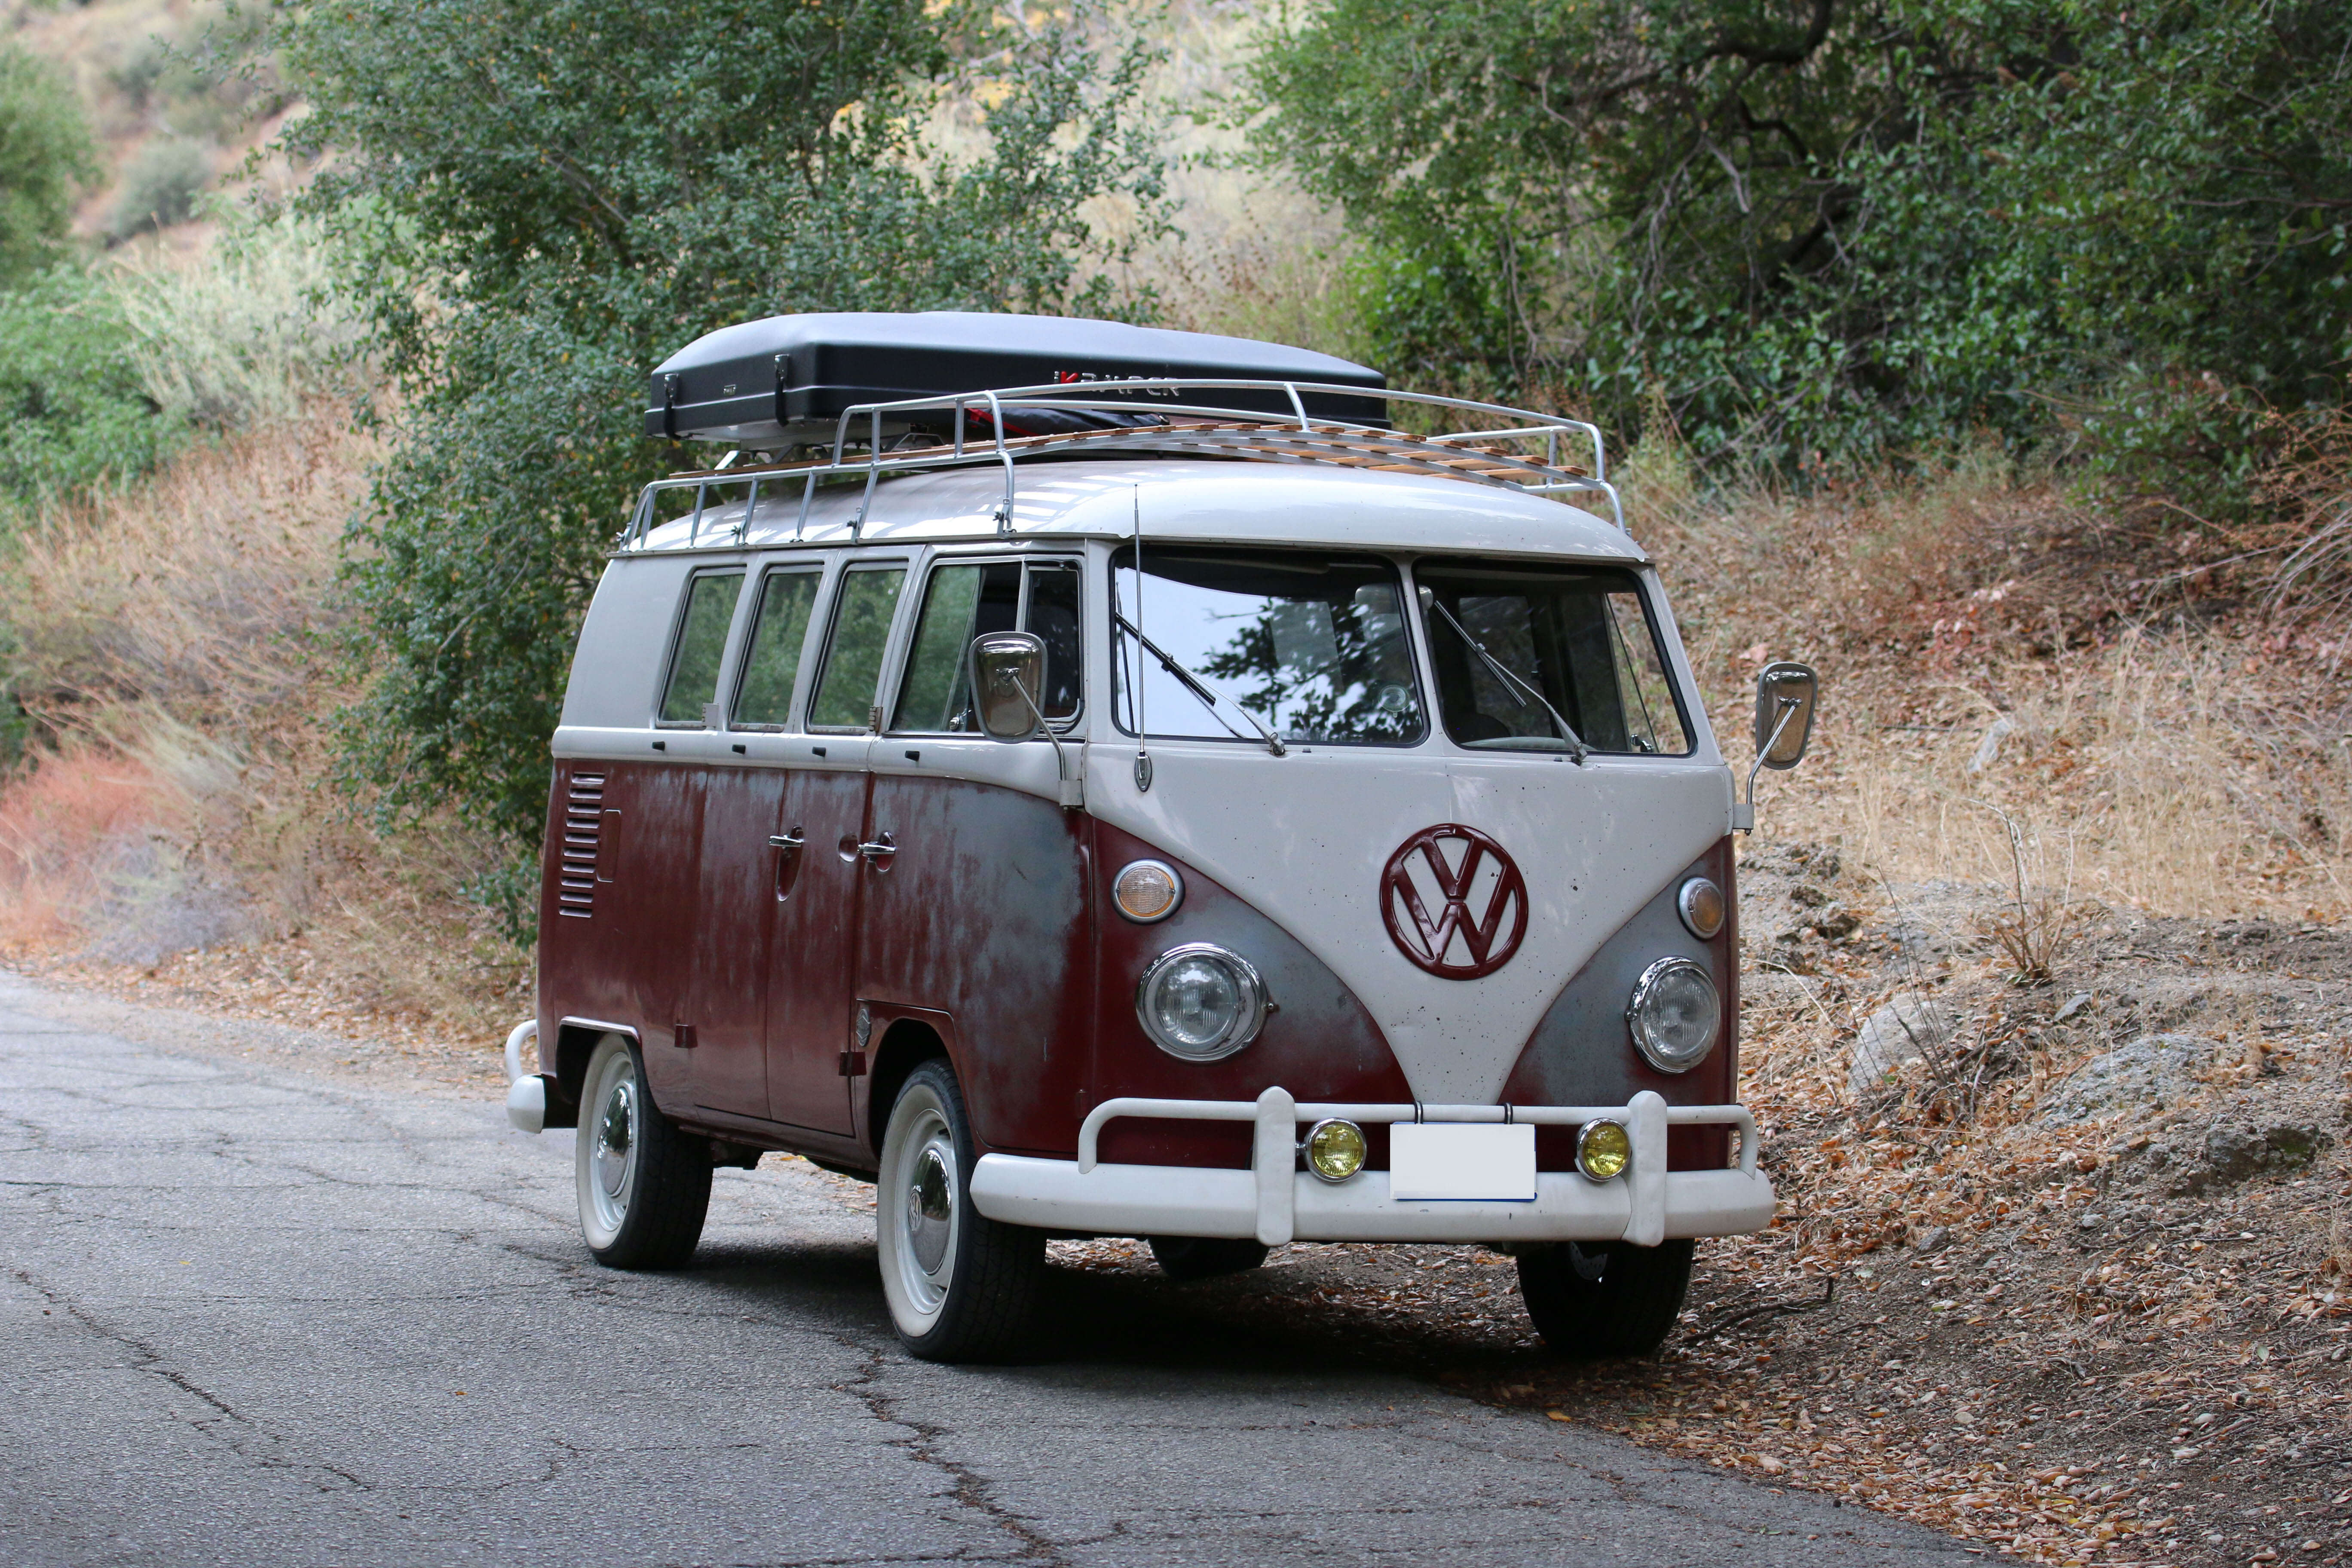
{"x": 630, "y": 960}
{"x": 982, "y": 913}
{"x": 1320, "y": 1043}
{"x": 1582, "y": 1052}
{"x": 813, "y": 954}
{"x": 730, "y": 997}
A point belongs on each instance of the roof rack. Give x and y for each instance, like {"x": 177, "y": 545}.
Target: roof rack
{"x": 1502, "y": 458}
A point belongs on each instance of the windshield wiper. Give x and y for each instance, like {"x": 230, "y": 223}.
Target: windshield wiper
{"x": 1577, "y": 749}
{"x": 1210, "y": 697}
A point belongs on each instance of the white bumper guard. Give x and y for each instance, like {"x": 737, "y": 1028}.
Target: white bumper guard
{"x": 526, "y": 1092}
{"x": 1274, "y": 1202}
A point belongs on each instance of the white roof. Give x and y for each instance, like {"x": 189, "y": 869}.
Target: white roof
{"x": 1241, "y": 502}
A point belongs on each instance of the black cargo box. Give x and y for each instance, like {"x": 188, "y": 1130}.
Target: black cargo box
{"x": 788, "y": 379}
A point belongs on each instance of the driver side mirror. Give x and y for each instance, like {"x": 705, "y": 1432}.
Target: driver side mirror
{"x": 1008, "y": 671}
{"x": 1786, "y": 692}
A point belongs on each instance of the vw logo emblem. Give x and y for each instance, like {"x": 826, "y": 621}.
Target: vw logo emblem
{"x": 1454, "y": 902}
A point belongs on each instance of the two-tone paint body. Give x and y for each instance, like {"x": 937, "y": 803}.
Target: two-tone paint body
{"x": 787, "y": 921}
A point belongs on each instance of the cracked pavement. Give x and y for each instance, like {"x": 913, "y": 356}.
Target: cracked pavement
{"x": 253, "y": 1315}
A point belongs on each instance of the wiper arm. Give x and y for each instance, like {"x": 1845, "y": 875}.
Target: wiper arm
{"x": 1210, "y": 697}
{"x": 1577, "y": 749}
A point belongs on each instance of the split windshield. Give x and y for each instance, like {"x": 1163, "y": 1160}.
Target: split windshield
{"x": 1576, "y": 638}
{"x": 1313, "y": 647}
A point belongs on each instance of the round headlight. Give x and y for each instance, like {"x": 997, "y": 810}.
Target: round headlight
{"x": 1674, "y": 1014}
{"x": 1335, "y": 1149}
{"x": 1603, "y": 1150}
{"x": 1200, "y": 1002}
{"x": 1703, "y": 907}
{"x": 1146, "y": 891}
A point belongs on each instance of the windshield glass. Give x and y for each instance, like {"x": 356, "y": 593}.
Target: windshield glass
{"x": 1577, "y": 636}
{"x": 1314, "y": 645}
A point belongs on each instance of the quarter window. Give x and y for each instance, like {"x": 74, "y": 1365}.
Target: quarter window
{"x": 701, "y": 645}
{"x": 1053, "y": 614}
{"x": 764, "y": 695}
{"x": 850, "y": 680}
{"x": 1579, "y": 639}
{"x": 966, "y": 600}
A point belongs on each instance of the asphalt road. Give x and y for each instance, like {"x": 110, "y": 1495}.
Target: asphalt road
{"x": 254, "y": 1316}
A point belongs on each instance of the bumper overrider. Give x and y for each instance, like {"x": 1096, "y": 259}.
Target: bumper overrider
{"x": 1274, "y": 1202}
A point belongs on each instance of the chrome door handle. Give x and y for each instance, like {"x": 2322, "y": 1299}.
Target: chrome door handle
{"x": 882, "y": 848}
{"x": 791, "y": 840}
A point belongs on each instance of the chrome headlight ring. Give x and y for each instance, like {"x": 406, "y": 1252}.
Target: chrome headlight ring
{"x": 1675, "y": 1014}
{"x": 1200, "y": 1002}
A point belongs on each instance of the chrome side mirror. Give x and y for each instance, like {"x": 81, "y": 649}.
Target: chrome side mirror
{"x": 1785, "y": 694}
{"x": 1008, "y": 671}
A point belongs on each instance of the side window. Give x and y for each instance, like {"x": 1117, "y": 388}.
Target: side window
{"x": 701, "y": 644}
{"x": 764, "y": 695}
{"x": 851, "y": 680}
{"x": 1053, "y": 614}
{"x": 962, "y": 601}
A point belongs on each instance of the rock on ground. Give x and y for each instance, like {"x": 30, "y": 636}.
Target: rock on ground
{"x": 2149, "y": 1074}
{"x": 1904, "y": 1033}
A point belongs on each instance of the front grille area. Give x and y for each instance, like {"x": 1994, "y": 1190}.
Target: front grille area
{"x": 584, "y": 825}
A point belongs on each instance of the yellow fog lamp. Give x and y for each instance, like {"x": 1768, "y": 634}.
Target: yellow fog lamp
{"x": 1603, "y": 1150}
{"x": 1335, "y": 1149}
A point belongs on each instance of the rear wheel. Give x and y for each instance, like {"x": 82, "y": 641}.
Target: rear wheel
{"x": 1204, "y": 1257}
{"x": 1607, "y": 1299}
{"x": 961, "y": 1286}
{"x": 645, "y": 1186}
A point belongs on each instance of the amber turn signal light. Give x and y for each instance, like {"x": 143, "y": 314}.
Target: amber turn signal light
{"x": 1146, "y": 891}
{"x": 1703, "y": 906}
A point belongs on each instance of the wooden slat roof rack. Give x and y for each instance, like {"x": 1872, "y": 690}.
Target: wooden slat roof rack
{"x": 1523, "y": 454}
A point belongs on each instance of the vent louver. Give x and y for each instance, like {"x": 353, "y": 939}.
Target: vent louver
{"x": 584, "y": 827}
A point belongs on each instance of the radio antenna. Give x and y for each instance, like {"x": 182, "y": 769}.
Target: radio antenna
{"x": 1142, "y": 756}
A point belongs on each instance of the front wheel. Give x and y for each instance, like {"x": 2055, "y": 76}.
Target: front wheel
{"x": 961, "y": 1286}
{"x": 1608, "y": 1298}
{"x": 645, "y": 1186}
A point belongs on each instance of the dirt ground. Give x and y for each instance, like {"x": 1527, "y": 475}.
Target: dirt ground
{"x": 2071, "y": 1282}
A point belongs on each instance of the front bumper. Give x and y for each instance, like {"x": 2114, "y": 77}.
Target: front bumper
{"x": 1274, "y": 1202}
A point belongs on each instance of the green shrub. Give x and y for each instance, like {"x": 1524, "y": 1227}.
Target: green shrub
{"x": 161, "y": 186}
{"x": 77, "y": 412}
{"x": 46, "y": 157}
{"x": 1843, "y": 230}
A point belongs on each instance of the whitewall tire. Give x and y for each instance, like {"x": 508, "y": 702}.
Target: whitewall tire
{"x": 961, "y": 1287}
{"x": 645, "y": 1186}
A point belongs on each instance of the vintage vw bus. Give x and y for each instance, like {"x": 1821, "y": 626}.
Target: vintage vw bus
{"x": 1095, "y": 780}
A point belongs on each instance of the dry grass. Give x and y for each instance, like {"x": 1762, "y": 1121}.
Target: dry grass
{"x": 175, "y": 641}
{"x": 206, "y": 590}
{"x": 2311, "y": 490}
{"x": 2002, "y": 707}
{"x": 57, "y": 824}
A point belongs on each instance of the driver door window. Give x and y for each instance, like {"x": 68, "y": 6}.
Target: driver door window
{"x": 969, "y": 599}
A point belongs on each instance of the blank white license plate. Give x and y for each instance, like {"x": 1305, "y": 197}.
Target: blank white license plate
{"x": 1488, "y": 1161}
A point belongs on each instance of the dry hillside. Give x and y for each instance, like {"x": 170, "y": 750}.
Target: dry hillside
{"x": 2046, "y": 943}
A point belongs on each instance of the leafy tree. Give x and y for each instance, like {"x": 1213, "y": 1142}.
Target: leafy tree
{"x": 553, "y": 196}
{"x": 1834, "y": 226}
{"x": 46, "y": 156}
